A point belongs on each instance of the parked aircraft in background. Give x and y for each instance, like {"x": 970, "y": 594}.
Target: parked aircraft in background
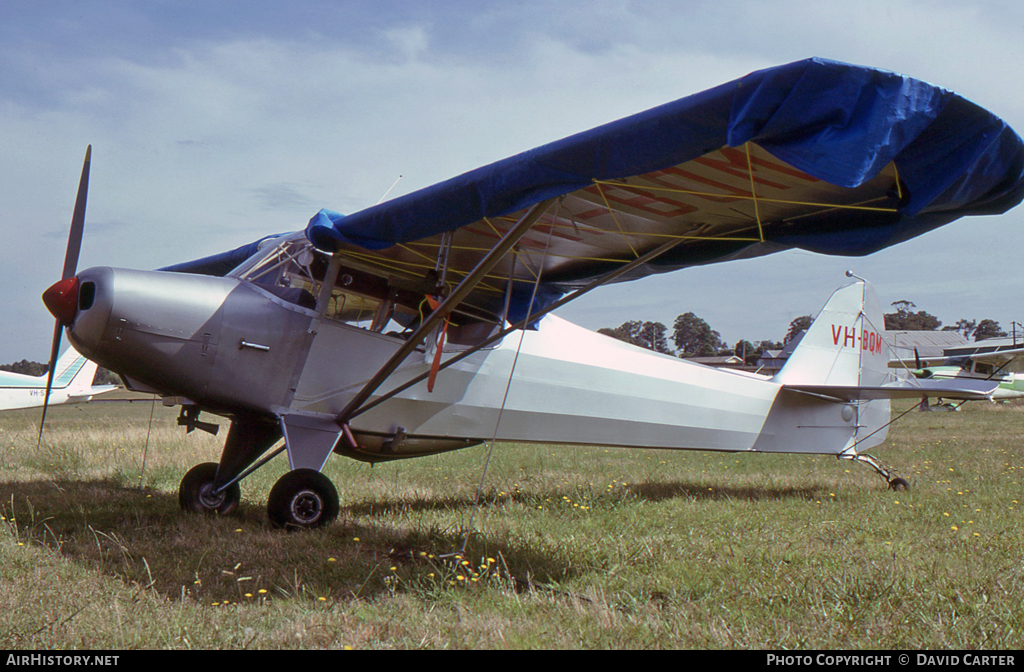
{"x": 72, "y": 384}
{"x": 414, "y": 327}
{"x": 998, "y": 360}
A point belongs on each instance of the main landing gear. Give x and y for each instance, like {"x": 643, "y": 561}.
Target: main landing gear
{"x": 300, "y": 500}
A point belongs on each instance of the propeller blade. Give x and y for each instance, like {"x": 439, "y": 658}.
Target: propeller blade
{"x": 70, "y": 267}
{"x": 54, "y": 351}
{"x": 917, "y": 359}
{"x": 77, "y": 220}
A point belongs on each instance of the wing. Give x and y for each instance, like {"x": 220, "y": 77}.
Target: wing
{"x": 816, "y": 155}
{"x": 1008, "y": 357}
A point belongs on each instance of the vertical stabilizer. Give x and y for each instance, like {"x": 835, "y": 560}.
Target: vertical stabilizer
{"x": 73, "y": 371}
{"x": 843, "y": 349}
{"x": 844, "y": 345}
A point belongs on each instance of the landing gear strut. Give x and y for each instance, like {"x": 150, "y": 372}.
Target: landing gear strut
{"x": 896, "y": 483}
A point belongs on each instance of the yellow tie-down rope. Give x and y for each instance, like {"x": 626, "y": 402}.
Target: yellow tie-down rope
{"x": 398, "y": 265}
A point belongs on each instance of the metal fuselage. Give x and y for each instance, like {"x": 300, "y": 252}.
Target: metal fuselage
{"x": 231, "y": 346}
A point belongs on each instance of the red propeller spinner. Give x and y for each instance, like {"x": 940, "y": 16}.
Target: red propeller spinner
{"x": 61, "y": 300}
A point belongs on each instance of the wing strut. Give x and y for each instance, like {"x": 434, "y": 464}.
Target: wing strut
{"x": 463, "y": 289}
{"x": 599, "y": 282}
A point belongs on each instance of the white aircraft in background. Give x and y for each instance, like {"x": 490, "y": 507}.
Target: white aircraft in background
{"x": 72, "y": 384}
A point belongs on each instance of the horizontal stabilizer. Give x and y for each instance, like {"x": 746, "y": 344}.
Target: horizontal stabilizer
{"x": 908, "y": 389}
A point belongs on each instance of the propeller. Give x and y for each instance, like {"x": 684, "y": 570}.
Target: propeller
{"x": 62, "y": 298}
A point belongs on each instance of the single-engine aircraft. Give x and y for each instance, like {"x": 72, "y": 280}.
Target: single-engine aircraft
{"x": 71, "y": 384}
{"x": 422, "y": 324}
{"x": 993, "y": 360}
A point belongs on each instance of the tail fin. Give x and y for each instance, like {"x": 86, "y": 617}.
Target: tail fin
{"x": 74, "y": 374}
{"x": 843, "y": 355}
{"x": 73, "y": 369}
{"x": 843, "y": 346}
{"x": 836, "y": 385}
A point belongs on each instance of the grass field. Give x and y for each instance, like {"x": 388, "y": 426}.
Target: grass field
{"x": 570, "y": 547}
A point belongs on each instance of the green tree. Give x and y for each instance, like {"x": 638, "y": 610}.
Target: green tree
{"x": 988, "y": 329}
{"x": 905, "y": 319}
{"x": 695, "y": 338}
{"x": 751, "y": 352}
{"x": 746, "y": 351}
{"x": 25, "y": 368}
{"x": 965, "y": 327}
{"x": 650, "y": 335}
{"x": 801, "y": 323}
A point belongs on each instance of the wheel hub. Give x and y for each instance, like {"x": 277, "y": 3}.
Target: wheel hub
{"x": 307, "y": 506}
{"x": 209, "y": 497}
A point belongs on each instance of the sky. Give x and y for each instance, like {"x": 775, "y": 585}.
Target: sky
{"x": 214, "y": 124}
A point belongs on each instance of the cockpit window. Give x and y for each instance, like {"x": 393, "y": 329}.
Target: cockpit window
{"x": 293, "y": 271}
{"x": 370, "y": 304}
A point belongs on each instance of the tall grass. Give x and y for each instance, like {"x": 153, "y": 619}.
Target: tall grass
{"x": 567, "y": 547}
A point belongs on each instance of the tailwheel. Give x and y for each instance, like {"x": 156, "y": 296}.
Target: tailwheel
{"x": 196, "y": 492}
{"x": 899, "y": 484}
{"x": 303, "y": 499}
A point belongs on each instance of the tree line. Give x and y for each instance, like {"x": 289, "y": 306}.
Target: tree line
{"x": 692, "y": 336}
{"x": 905, "y": 318}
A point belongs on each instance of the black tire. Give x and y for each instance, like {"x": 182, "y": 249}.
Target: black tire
{"x": 302, "y": 500}
{"x": 195, "y": 492}
{"x": 899, "y": 485}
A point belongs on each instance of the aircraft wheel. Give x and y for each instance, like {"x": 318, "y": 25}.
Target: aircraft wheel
{"x": 303, "y": 499}
{"x": 196, "y": 492}
{"x": 899, "y": 484}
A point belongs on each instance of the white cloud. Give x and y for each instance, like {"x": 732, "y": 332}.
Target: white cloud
{"x": 209, "y": 139}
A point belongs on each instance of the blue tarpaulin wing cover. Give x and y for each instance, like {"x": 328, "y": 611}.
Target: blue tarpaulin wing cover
{"x": 817, "y": 155}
